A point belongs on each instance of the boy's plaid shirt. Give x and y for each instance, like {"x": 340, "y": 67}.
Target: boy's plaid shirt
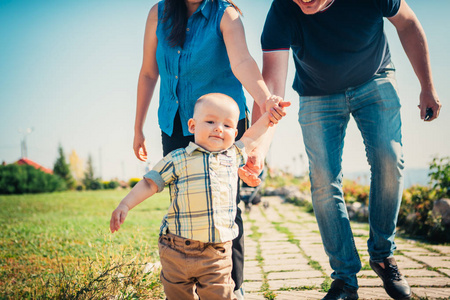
{"x": 203, "y": 188}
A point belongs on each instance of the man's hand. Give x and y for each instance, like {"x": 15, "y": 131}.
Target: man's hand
{"x": 118, "y": 217}
{"x": 250, "y": 172}
{"x": 429, "y": 99}
{"x": 140, "y": 150}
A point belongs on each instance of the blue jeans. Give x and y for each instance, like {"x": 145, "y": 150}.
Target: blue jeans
{"x": 375, "y": 106}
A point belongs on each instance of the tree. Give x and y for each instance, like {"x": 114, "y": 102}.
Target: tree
{"x": 76, "y": 166}
{"x": 89, "y": 181}
{"x": 61, "y": 168}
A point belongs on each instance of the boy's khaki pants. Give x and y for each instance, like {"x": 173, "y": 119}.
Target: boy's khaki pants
{"x": 192, "y": 269}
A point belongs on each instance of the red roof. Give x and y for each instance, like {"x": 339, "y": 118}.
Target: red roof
{"x": 27, "y": 161}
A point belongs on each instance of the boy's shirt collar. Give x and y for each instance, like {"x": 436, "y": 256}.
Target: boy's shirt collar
{"x": 193, "y": 146}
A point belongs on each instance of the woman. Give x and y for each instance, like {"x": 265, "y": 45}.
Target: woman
{"x": 196, "y": 47}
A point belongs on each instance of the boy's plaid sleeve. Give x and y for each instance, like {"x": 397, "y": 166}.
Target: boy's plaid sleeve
{"x": 162, "y": 173}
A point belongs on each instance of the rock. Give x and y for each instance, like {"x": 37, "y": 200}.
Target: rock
{"x": 351, "y": 210}
{"x": 152, "y": 267}
{"x": 441, "y": 209}
{"x": 270, "y": 191}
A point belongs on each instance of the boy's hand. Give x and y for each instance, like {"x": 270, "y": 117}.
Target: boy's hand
{"x": 118, "y": 217}
{"x": 275, "y": 106}
{"x": 250, "y": 172}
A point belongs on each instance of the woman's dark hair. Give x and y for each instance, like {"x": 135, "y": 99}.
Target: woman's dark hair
{"x": 175, "y": 15}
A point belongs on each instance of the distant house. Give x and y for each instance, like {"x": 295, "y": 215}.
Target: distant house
{"x": 27, "y": 161}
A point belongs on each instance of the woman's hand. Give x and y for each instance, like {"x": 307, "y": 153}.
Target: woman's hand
{"x": 140, "y": 150}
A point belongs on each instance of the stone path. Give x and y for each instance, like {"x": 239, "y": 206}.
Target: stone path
{"x": 284, "y": 258}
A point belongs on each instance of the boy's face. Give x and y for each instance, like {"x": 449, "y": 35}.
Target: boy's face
{"x": 214, "y": 124}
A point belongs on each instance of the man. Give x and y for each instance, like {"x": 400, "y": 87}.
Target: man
{"x": 343, "y": 68}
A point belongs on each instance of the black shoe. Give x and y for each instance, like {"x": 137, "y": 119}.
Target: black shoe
{"x": 394, "y": 282}
{"x": 338, "y": 291}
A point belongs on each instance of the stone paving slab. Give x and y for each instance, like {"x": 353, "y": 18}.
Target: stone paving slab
{"x": 372, "y": 293}
{"x": 430, "y": 281}
{"x": 273, "y": 260}
{"x": 295, "y": 295}
{"x": 294, "y": 283}
{"x": 431, "y": 293}
{"x": 297, "y": 269}
{"x": 254, "y": 296}
{"x": 276, "y": 257}
{"x": 296, "y": 274}
{"x": 253, "y": 276}
{"x": 252, "y": 286}
{"x": 444, "y": 271}
{"x": 286, "y": 267}
{"x": 435, "y": 261}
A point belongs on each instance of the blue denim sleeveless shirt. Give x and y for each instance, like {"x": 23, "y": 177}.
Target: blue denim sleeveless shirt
{"x": 200, "y": 67}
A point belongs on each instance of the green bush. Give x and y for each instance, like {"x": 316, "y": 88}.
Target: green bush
{"x": 110, "y": 185}
{"x": 416, "y": 217}
{"x": 94, "y": 184}
{"x": 21, "y": 179}
{"x": 355, "y": 192}
{"x": 133, "y": 181}
{"x": 440, "y": 176}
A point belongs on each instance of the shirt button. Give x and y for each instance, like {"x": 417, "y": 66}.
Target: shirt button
{"x": 187, "y": 29}
{"x": 179, "y": 51}
{"x": 176, "y": 77}
{"x": 187, "y": 243}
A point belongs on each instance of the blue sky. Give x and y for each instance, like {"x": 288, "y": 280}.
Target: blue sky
{"x": 69, "y": 69}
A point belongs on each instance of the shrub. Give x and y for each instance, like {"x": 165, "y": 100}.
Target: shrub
{"x": 416, "y": 217}
{"x": 110, "y": 184}
{"x": 440, "y": 176}
{"x": 94, "y": 184}
{"x": 133, "y": 181}
{"x": 20, "y": 179}
{"x": 355, "y": 192}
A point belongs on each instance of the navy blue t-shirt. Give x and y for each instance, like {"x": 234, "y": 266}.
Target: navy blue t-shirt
{"x": 341, "y": 47}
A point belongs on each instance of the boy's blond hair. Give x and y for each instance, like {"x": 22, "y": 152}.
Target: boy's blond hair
{"x": 214, "y": 97}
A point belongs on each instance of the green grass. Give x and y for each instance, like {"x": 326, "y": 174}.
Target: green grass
{"x": 59, "y": 246}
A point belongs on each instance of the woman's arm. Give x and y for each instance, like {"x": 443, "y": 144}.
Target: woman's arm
{"x": 148, "y": 77}
{"x": 244, "y": 66}
{"x": 275, "y": 66}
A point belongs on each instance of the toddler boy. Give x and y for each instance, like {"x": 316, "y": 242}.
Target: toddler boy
{"x": 197, "y": 232}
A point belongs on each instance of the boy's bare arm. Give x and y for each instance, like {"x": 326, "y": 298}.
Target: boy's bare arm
{"x": 141, "y": 191}
{"x": 254, "y": 136}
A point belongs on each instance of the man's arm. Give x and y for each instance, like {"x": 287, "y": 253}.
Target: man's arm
{"x": 244, "y": 66}
{"x": 275, "y": 66}
{"x": 414, "y": 43}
